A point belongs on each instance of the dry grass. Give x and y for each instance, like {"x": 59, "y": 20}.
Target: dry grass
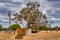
{"x": 44, "y": 35}
{"x": 41, "y": 35}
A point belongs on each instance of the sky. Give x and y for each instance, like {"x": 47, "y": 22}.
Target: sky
{"x": 51, "y": 8}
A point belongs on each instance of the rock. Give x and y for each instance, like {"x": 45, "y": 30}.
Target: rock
{"x": 20, "y": 32}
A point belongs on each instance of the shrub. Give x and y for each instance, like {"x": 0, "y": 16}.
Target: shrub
{"x": 44, "y": 27}
{"x": 1, "y": 27}
{"x": 14, "y": 26}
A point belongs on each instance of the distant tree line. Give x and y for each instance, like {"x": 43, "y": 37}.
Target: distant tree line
{"x": 15, "y": 26}
{"x": 11, "y": 27}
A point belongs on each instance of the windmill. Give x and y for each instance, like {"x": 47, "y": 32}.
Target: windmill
{"x": 9, "y": 15}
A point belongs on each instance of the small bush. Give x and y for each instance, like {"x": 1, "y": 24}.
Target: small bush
{"x": 44, "y": 27}
{"x": 14, "y": 26}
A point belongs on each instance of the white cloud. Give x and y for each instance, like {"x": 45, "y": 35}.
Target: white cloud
{"x": 17, "y": 1}
{"x": 46, "y": 5}
{"x": 49, "y": 6}
{"x": 44, "y": 11}
{"x": 53, "y": 18}
{"x": 12, "y": 16}
{"x": 22, "y": 6}
{"x": 2, "y": 4}
{"x": 17, "y": 9}
{"x": 4, "y": 20}
{"x": 1, "y": 16}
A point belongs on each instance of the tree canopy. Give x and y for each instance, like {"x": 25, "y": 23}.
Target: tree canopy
{"x": 14, "y": 26}
{"x": 32, "y": 14}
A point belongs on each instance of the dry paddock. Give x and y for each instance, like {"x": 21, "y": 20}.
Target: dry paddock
{"x": 41, "y": 35}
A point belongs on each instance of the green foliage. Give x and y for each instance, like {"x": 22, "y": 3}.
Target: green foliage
{"x": 14, "y": 26}
{"x": 44, "y": 27}
{"x": 44, "y": 16}
{"x": 56, "y": 28}
{"x": 1, "y": 27}
{"x": 34, "y": 28}
{"x": 5, "y": 29}
{"x": 31, "y": 13}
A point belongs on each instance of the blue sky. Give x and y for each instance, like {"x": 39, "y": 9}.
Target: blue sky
{"x": 51, "y": 8}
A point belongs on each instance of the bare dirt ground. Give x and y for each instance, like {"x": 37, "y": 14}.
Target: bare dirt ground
{"x": 44, "y": 35}
{"x": 41, "y": 35}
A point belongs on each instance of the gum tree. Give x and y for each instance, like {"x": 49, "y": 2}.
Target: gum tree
{"x": 32, "y": 14}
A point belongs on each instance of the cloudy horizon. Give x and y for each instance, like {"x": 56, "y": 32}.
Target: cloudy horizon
{"x": 51, "y": 8}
